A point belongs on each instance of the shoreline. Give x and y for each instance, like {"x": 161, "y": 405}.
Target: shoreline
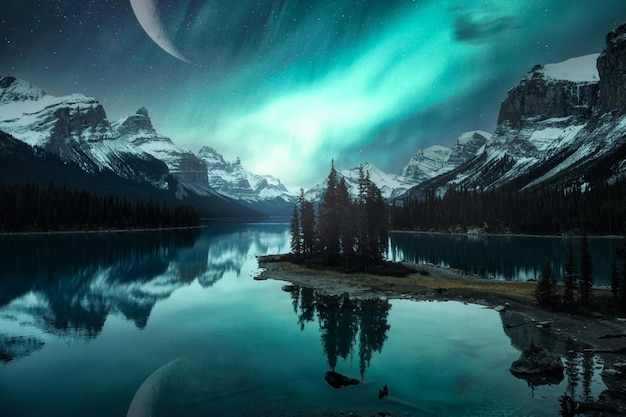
{"x": 444, "y": 284}
{"x": 559, "y": 236}
{"x": 97, "y": 231}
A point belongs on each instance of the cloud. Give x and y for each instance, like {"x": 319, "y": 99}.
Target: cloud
{"x": 481, "y": 24}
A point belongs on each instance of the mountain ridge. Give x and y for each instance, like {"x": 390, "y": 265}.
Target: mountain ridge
{"x": 562, "y": 123}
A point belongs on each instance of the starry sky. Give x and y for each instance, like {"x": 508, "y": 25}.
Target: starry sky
{"x": 288, "y": 85}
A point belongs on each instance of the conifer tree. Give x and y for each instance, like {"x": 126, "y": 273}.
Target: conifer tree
{"x": 330, "y": 217}
{"x": 347, "y": 223}
{"x": 307, "y": 224}
{"x": 569, "y": 276}
{"x": 296, "y": 231}
{"x": 546, "y": 292}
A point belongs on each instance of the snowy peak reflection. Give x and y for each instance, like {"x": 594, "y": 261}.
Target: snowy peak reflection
{"x": 67, "y": 285}
{"x": 228, "y": 248}
{"x": 345, "y": 324}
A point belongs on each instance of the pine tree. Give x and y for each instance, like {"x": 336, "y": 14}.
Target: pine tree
{"x": 307, "y": 224}
{"x": 296, "y": 231}
{"x": 330, "y": 217}
{"x": 569, "y": 276}
{"x": 347, "y": 225}
{"x": 586, "y": 273}
{"x": 372, "y": 222}
{"x": 546, "y": 292}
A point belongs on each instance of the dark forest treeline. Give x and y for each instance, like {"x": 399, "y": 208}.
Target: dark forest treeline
{"x": 344, "y": 231}
{"x": 28, "y": 207}
{"x": 600, "y": 209}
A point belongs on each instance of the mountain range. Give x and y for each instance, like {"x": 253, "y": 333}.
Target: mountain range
{"x": 70, "y": 140}
{"x": 563, "y": 123}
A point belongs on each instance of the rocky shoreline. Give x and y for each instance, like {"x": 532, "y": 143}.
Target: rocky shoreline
{"x": 575, "y": 334}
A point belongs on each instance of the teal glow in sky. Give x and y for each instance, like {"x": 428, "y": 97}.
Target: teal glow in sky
{"x": 289, "y": 85}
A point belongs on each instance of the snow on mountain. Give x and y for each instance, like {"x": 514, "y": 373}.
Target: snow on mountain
{"x": 75, "y": 128}
{"x": 385, "y": 182}
{"x": 424, "y": 165}
{"x": 231, "y": 179}
{"x": 563, "y": 122}
{"x": 184, "y": 165}
{"x": 437, "y": 160}
{"x": 579, "y": 70}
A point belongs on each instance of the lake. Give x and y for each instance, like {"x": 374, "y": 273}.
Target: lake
{"x": 172, "y": 323}
{"x": 502, "y": 257}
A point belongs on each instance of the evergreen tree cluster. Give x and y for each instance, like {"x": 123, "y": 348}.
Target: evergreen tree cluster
{"x": 618, "y": 277}
{"x": 29, "y": 207}
{"x": 353, "y": 231}
{"x": 576, "y": 292}
{"x": 577, "y": 284}
{"x": 598, "y": 209}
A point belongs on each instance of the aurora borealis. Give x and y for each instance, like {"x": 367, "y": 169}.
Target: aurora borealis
{"x": 288, "y": 85}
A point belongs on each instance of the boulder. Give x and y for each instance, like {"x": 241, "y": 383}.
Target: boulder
{"x": 337, "y": 380}
{"x": 535, "y": 361}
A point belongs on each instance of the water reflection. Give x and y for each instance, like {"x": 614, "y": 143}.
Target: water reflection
{"x": 582, "y": 370}
{"x": 500, "y": 257}
{"x": 68, "y": 284}
{"x": 344, "y": 323}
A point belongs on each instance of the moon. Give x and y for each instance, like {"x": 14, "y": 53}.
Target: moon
{"x": 149, "y": 17}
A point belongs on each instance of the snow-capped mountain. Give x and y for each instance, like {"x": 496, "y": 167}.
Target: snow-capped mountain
{"x": 425, "y": 164}
{"x": 563, "y": 122}
{"x": 127, "y": 157}
{"x": 436, "y": 160}
{"x": 263, "y": 192}
{"x": 75, "y": 128}
{"x": 182, "y": 163}
{"x": 388, "y": 184}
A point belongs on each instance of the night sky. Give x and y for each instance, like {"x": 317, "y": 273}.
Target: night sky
{"x": 289, "y": 85}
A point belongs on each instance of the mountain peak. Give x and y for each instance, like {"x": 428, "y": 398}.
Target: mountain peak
{"x": 14, "y": 89}
{"x": 137, "y": 127}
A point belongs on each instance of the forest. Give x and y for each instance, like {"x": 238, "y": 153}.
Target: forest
{"x": 28, "y": 207}
{"x": 598, "y": 210}
{"x": 344, "y": 231}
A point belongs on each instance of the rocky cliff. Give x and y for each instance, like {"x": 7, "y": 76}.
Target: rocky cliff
{"x": 562, "y": 123}
{"x": 184, "y": 165}
{"x": 612, "y": 70}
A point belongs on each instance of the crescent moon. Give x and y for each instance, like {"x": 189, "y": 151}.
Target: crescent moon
{"x": 149, "y": 17}
{"x": 141, "y": 405}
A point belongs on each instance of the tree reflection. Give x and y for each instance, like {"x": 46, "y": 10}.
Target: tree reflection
{"x": 344, "y": 323}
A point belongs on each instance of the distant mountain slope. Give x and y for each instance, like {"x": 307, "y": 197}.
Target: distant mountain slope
{"x": 262, "y": 192}
{"x": 562, "y": 123}
{"x": 425, "y": 164}
{"x": 69, "y": 140}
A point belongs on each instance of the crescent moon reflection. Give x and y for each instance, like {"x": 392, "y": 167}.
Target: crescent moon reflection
{"x": 149, "y": 17}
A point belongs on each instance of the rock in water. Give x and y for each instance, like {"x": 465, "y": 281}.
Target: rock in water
{"x": 536, "y": 361}
{"x": 337, "y": 380}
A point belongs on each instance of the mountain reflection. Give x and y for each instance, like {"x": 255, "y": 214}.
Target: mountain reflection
{"x": 344, "y": 324}
{"x": 67, "y": 284}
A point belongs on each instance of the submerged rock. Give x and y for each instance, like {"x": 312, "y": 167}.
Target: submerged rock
{"x": 337, "y": 380}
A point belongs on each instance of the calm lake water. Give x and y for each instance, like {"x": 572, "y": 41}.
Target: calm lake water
{"x": 502, "y": 257}
{"x": 172, "y": 324}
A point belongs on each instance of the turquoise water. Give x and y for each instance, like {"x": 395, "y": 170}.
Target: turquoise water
{"x": 502, "y": 257}
{"x": 172, "y": 324}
